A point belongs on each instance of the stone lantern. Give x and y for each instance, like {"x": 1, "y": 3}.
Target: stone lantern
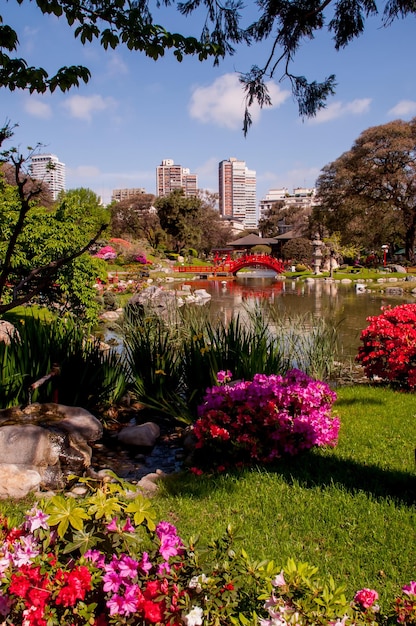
{"x": 317, "y": 253}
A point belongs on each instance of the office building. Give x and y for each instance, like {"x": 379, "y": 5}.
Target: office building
{"x": 170, "y": 177}
{"x": 47, "y": 169}
{"x": 237, "y": 192}
{"x": 123, "y": 194}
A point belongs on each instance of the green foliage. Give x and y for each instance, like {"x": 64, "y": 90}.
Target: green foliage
{"x": 112, "y": 25}
{"x": 298, "y": 250}
{"x": 261, "y": 249}
{"x": 173, "y": 360}
{"x": 42, "y": 250}
{"x": 88, "y": 376}
{"x": 367, "y": 193}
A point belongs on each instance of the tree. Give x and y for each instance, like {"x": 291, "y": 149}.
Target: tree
{"x": 179, "y": 216}
{"x": 43, "y": 249}
{"x": 298, "y": 250}
{"x": 269, "y": 222}
{"x": 369, "y": 193}
{"x": 215, "y": 232}
{"x": 285, "y": 24}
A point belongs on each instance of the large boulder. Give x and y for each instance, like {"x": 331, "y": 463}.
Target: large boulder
{"x": 51, "y": 440}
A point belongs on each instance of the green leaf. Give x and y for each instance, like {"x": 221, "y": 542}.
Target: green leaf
{"x": 142, "y": 511}
{"x": 65, "y": 512}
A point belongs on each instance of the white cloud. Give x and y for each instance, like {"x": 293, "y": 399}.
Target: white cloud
{"x": 222, "y": 102}
{"x": 37, "y": 108}
{"x": 116, "y": 66}
{"x": 336, "y": 110}
{"x": 404, "y": 108}
{"x": 84, "y": 107}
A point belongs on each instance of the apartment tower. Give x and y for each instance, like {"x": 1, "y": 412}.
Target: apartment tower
{"x": 170, "y": 177}
{"x": 237, "y": 192}
{"x": 47, "y": 169}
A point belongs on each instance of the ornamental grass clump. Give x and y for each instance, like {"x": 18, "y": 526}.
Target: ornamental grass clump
{"x": 389, "y": 346}
{"x": 262, "y": 420}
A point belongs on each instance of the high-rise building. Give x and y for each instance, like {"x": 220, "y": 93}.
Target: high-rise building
{"x": 47, "y": 169}
{"x": 123, "y": 194}
{"x": 170, "y": 177}
{"x": 237, "y": 192}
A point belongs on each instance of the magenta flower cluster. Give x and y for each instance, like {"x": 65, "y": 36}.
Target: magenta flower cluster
{"x": 263, "y": 419}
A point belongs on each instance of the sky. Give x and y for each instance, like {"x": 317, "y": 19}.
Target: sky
{"x": 135, "y": 112}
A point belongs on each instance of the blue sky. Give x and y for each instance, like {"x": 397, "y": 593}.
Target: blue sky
{"x": 135, "y": 112}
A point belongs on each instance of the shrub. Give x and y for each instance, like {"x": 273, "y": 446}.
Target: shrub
{"x": 389, "y": 345}
{"x": 110, "y": 301}
{"x": 263, "y": 419}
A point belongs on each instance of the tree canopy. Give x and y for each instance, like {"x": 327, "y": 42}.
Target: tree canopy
{"x": 369, "y": 193}
{"x": 43, "y": 248}
{"x": 284, "y": 24}
{"x": 191, "y": 222}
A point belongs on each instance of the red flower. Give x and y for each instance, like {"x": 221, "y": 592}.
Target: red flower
{"x": 153, "y": 611}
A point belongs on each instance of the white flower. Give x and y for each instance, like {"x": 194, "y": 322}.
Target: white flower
{"x": 196, "y": 582}
{"x": 194, "y": 617}
{"x": 279, "y": 580}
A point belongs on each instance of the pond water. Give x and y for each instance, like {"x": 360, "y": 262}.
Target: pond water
{"x": 338, "y": 303}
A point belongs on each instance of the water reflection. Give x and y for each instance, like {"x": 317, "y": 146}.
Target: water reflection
{"x": 338, "y": 303}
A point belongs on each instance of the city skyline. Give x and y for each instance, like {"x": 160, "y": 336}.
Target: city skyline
{"x": 112, "y": 133}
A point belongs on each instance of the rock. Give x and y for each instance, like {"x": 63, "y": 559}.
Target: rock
{"x": 7, "y": 332}
{"x": 394, "y": 291}
{"x": 49, "y": 439}
{"x": 397, "y": 268}
{"x": 111, "y": 316}
{"x": 17, "y": 483}
{"x": 141, "y": 435}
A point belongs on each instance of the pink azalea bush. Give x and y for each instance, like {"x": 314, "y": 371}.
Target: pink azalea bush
{"x": 107, "y": 253}
{"x": 388, "y": 348}
{"x": 262, "y": 420}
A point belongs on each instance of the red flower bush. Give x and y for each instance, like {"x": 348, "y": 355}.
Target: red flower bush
{"x": 389, "y": 345}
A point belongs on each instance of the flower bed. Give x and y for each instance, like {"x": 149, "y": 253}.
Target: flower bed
{"x": 103, "y": 560}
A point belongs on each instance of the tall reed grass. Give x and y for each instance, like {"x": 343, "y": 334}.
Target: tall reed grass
{"x": 88, "y": 375}
{"x": 173, "y": 358}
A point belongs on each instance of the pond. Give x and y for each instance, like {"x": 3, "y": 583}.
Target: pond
{"x": 338, "y": 303}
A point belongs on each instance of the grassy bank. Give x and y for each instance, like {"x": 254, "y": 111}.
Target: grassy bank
{"x": 349, "y": 510}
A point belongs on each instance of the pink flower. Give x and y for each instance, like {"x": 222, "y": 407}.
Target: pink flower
{"x": 410, "y": 590}
{"x": 112, "y": 526}
{"x": 36, "y": 518}
{"x": 224, "y": 376}
{"x": 366, "y": 597}
{"x": 127, "y": 567}
{"x": 128, "y": 527}
{"x": 145, "y": 565}
{"x": 279, "y": 580}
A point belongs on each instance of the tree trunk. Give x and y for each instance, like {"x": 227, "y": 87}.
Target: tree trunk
{"x": 410, "y": 242}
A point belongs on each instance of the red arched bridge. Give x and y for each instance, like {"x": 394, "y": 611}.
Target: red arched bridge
{"x": 230, "y": 266}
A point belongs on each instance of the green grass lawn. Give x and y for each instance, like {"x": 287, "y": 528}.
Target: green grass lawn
{"x": 349, "y": 510}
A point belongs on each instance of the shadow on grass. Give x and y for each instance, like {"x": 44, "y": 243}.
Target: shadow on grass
{"x": 310, "y": 470}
